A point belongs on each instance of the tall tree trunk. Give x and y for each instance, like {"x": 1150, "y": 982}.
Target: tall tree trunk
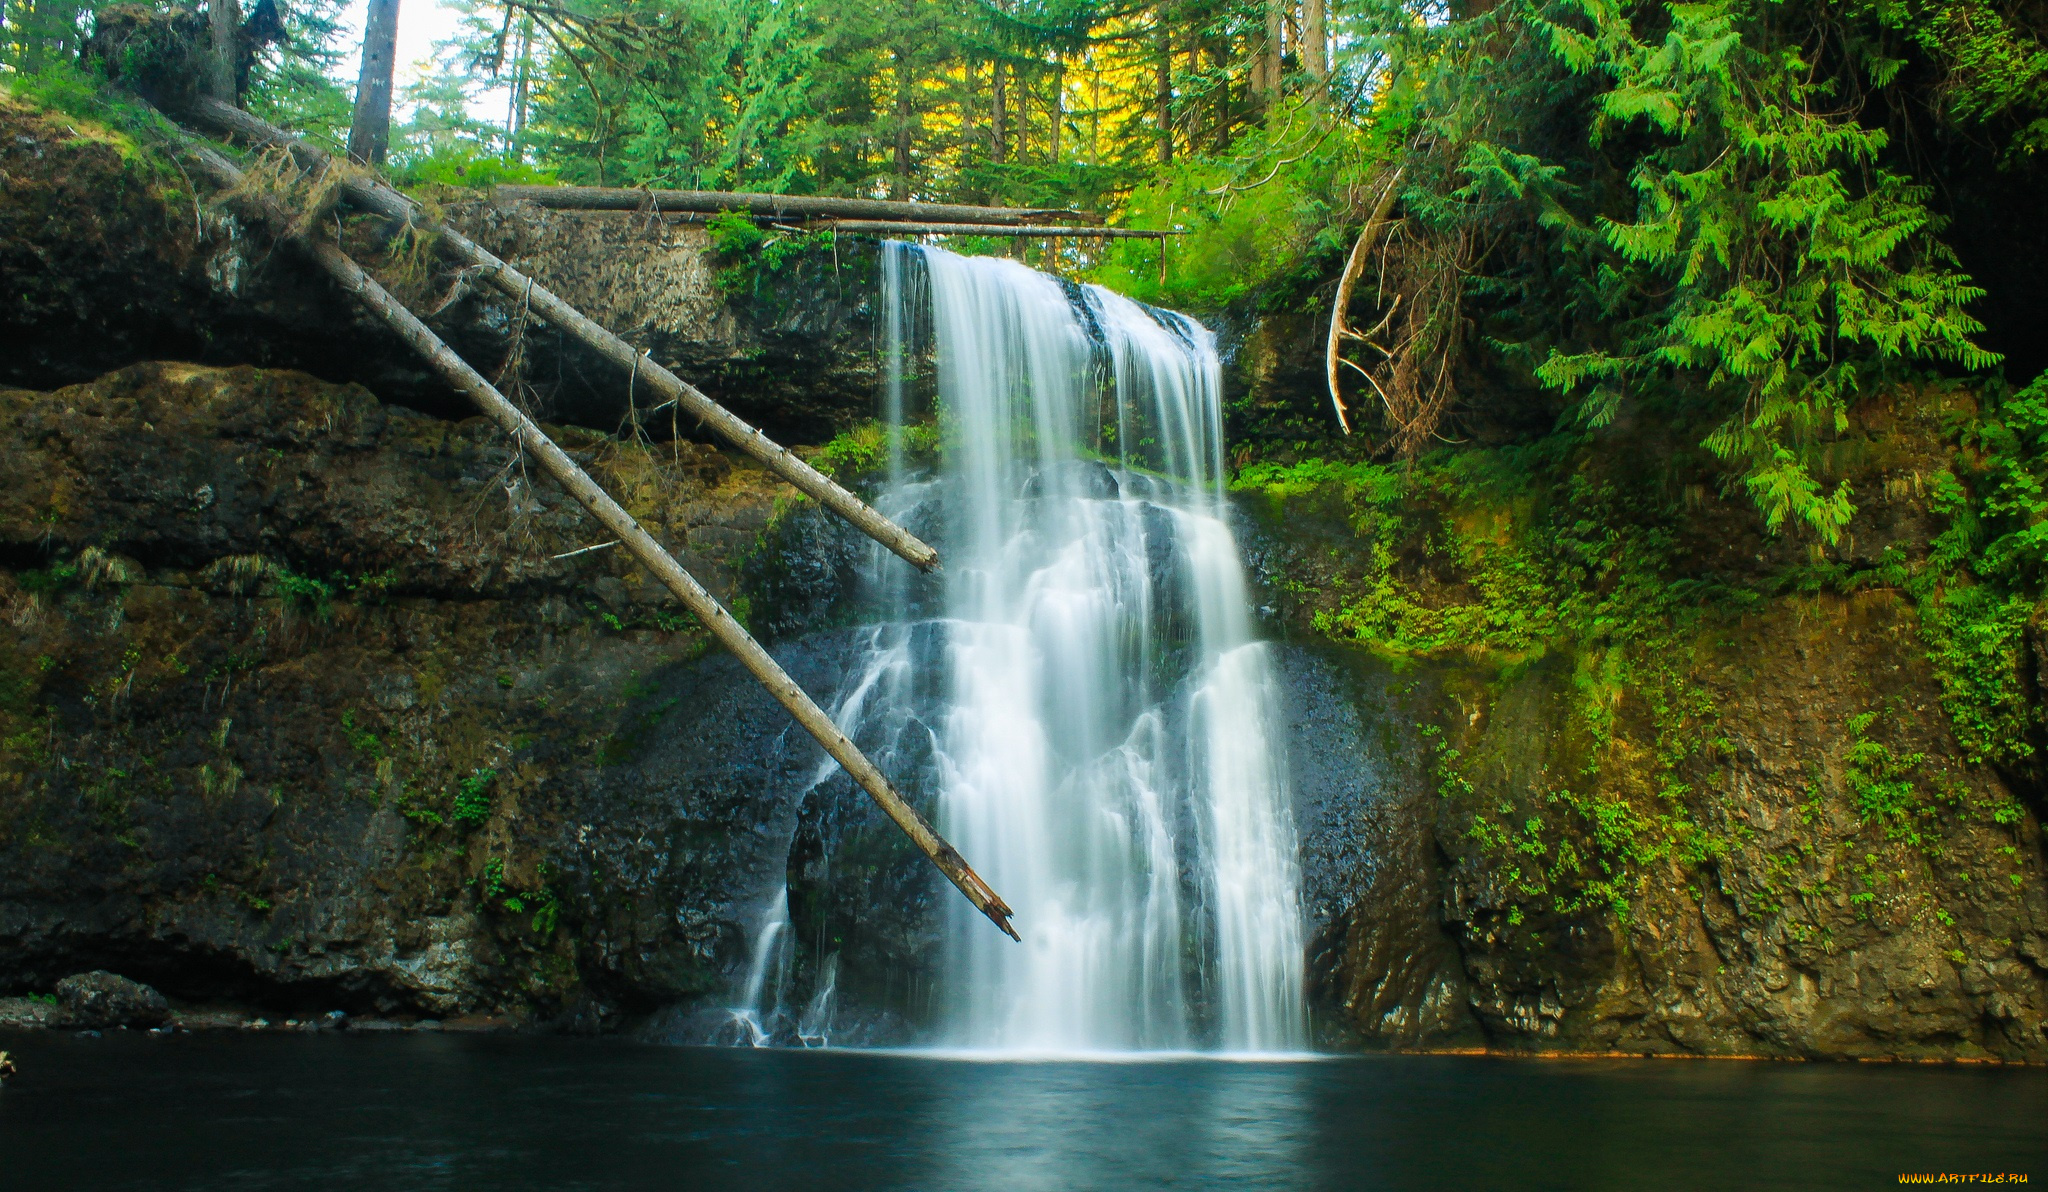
{"x": 899, "y": 183}
{"x": 1056, "y": 111}
{"x": 225, "y": 19}
{"x": 522, "y": 78}
{"x": 970, "y": 110}
{"x": 369, "y": 134}
{"x": 999, "y": 144}
{"x": 1162, "y": 83}
{"x": 1271, "y": 51}
{"x": 1219, "y": 68}
{"x": 1315, "y": 37}
{"x": 1094, "y": 115}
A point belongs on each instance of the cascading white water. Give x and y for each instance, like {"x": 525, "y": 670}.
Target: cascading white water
{"x": 1108, "y": 752}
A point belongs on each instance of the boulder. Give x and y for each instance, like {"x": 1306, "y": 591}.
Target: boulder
{"x": 99, "y": 999}
{"x": 27, "y": 1013}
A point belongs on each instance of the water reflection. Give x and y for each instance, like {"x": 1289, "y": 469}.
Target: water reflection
{"x": 511, "y": 1115}
{"x": 1062, "y": 1124}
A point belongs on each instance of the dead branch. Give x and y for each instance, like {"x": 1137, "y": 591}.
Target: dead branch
{"x": 1361, "y": 250}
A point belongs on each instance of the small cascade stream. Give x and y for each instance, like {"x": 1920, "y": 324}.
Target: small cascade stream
{"x": 1083, "y": 682}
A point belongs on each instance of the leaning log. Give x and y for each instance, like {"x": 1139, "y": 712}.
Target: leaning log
{"x": 613, "y": 198}
{"x": 643, "y": 545}
{"x": 366, "y": 192}
{"x": 900, "y": 228}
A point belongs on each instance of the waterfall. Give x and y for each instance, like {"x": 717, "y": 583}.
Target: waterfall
{"x": 1104, "y": 738}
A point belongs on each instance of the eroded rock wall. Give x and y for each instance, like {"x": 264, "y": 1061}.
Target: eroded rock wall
{"x": 304, "y": 701}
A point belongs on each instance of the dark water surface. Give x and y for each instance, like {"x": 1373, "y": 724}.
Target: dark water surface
{"x": 505, "y": 1114}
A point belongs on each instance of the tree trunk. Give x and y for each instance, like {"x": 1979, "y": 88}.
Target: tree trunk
{"x": 1270, "y": 52}
{"x": 1219, "y": 62}
{"x": 999, "y": 145}
{"x": 1162, "y": 83}
{"x": 1354, "y": 268}
{"x": 768, "y": 206}
{"x": 1056, "y": 112}
{"x": 1094, "y": 115}
{"x": 225, "y": 19}
{"x": 369, "y": 135}
{"x": 522, "y": 80}
{"x": 899, "y": 184}
{"x": 1315, "y": 37}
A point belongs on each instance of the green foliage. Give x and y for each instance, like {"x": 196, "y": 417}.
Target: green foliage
{"x": 42, "y": 43}
{"x": 304, "y": 593}
{"x": 473, "y": 796}
{"x": 139, "y": 133}
{"x": 50, "y": 581}
{"x": 1987, "y": 572}
{"x": 752, "y": 253}
{"x": 1713, "y": 233}
{"x": 361, "y": 739}
{"x": 1586, "y": 560}
{"x": 494, "y": 891}
{"x": 1263, "y": 222}
{"x": 862, "y": 452}
{"x": 1882, "y": 783}
{"x": 465, "y": 165}
{"x": 1991, "y": 58}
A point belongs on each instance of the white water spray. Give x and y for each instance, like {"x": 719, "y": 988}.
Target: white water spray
{"x": 1108, "y": 753}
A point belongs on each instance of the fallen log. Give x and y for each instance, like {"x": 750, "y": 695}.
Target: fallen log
{"x": 613, "y": 198}
{"x": 371, "y": 195}
{"x": 894, "y": 227}
{"x": 643, "y": 545}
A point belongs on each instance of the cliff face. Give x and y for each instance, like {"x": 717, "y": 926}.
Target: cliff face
{"x": 306, "y": 701}
{"x": 1621, "y": 773}
{"x": 301, "y": 702}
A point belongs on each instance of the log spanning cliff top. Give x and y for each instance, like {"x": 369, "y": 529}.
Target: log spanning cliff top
{"x": 864, "y": 216}
{"x": 712, "y": 202}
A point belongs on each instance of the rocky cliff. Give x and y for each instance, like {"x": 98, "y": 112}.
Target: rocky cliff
{"x": 1615, "y": 770}
{"x": 312, "y": 698}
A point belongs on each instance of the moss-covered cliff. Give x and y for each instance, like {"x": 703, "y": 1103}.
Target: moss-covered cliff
{"x": 1646, "y": 778}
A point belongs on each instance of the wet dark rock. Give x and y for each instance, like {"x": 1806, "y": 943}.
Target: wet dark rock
{"x": 103, "y": 999}
{"x": 22, "y": 1013}
{"x": 332, "y": 615}
{"x": 1085, "y": 478}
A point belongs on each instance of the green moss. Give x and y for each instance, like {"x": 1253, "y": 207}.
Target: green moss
{"x": 754, "y": 254}
{"x": 1530, "y": 566}
{"x": 97, "y": 111}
